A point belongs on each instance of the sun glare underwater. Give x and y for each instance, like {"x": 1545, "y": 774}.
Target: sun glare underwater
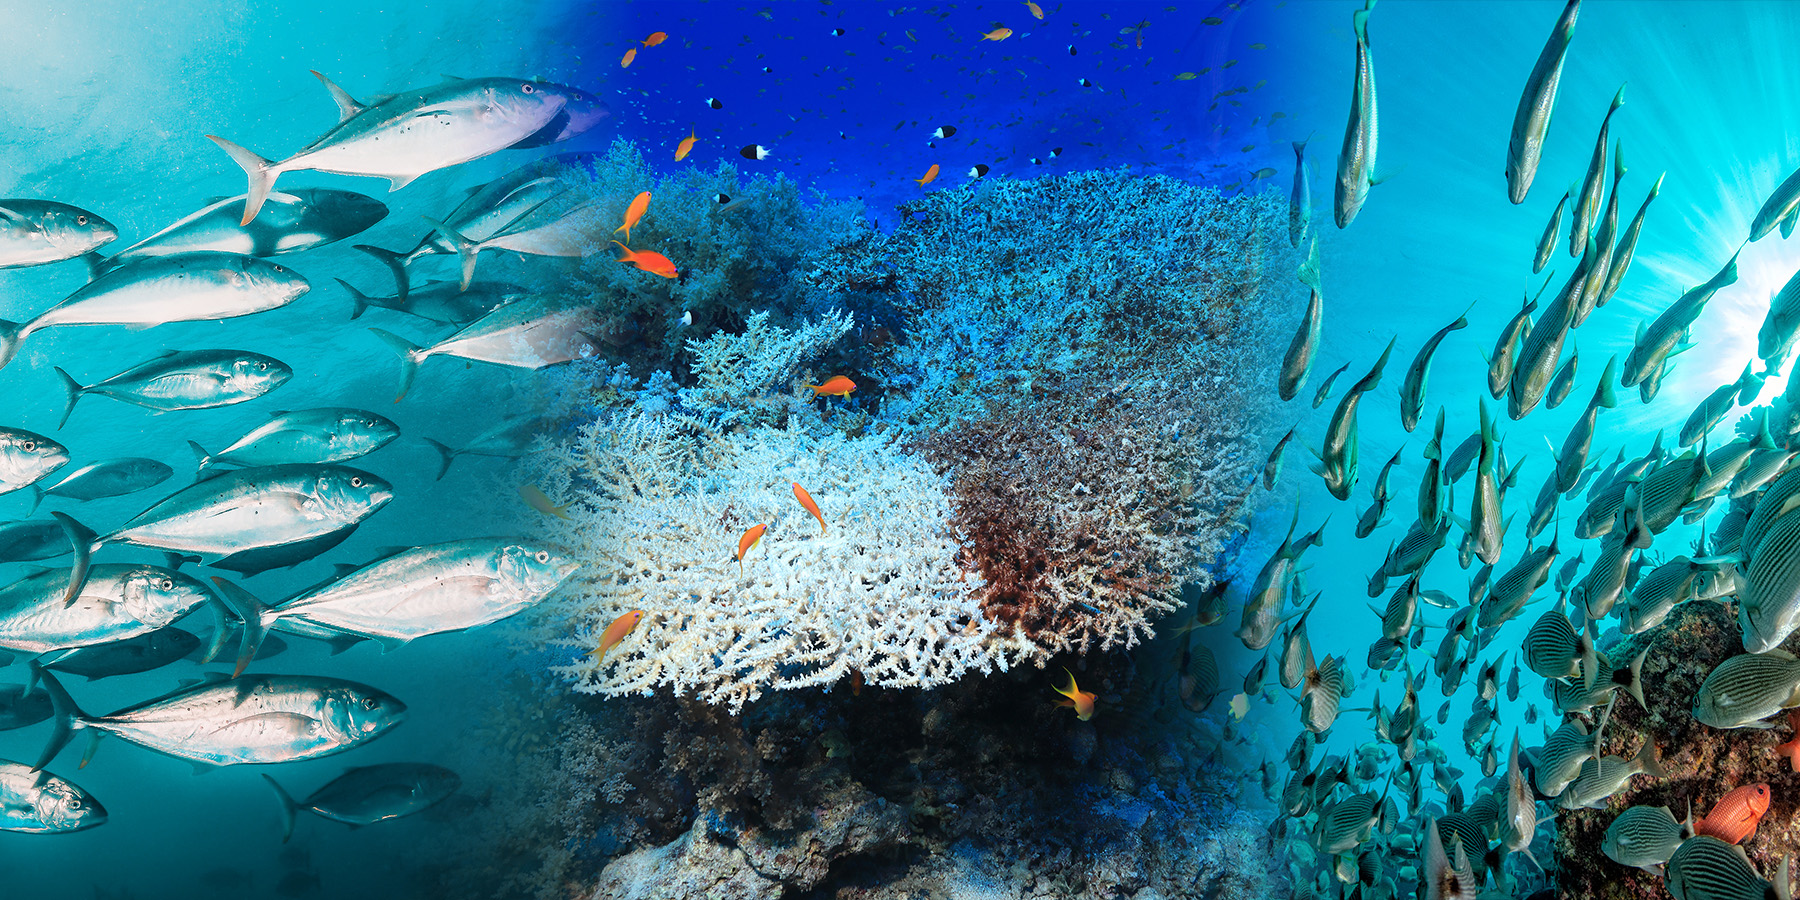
{"x": 865, "y": 451}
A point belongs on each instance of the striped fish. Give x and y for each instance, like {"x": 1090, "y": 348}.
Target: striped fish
{"x": 1446, "y": 877}
{"x": 1658, "y": 593}
{"x": 1402, "y": 609}
{"x": 1781, "y": 325}
{"x": 1763, "y": 467}
{"x": 1519, "y": 823}
{"x": 1554, "y": 649}
{"x": 1559, "y": 760}
{"x": 1197, "y": 679}
{"x": 1574, "y": 697}
{"x": 1603, "y": 776}
{"x": 1299, "y": 755}
{"x": 1416, "y": 548}
{"x": 1572, "y": 458}
{"x": 1356, "y": 159}
{"x": 1706, "y": 868}
{"x": 1661, "y": 495}
{"x": 1412, "y": 388}
{"x": 1725, "y": 464}
{"x": 1518, "y": 328}
{"x": 1463, "y": 832}
{"x": 1781, "y": 498}
{"x": 1564, "y": 380}
{"x": 1337, "y": 458}
{"x": 1713, "y": 409}
{"x": 1745, "y": 689}
{"x": 1295, "y": 648}
{"x": 1487, "y": 530}
{"x": 1626, "y": 248}
{"x": 1769, "y": 603}
{"x": 1512, "y": 590}
{"x": 1605, "y": 581}
{"x": 1587, "y": 202}
{"x": 1604, "y": 236}
{"x": 1645, "y": 837}
{"x": 1347, "y": 824}
{"x": 1457, "y": 464}
{"x": 1782, "y": 208}
{"x": 1602, "y": 511}
{"x": 1322, "y": 691}
{"x": 1657, "y": 341}
{"x": 1431, "y": 510}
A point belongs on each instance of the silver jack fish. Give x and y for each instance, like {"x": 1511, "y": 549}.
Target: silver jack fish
{"x": 496, "y": 206}
{"x": 1532, "y": 120}
{"x": 35, "y": 232}
{"x": 291, "y": 222}
{"x": 190, "y": 287}
{"x": 507, "y": 439}
{"x": 527, "y": 334}
{"x": 329, "y": 434}
{"x": 106, "y": 478}
{"x": 581, "y": 111}
{"x": 27, "y": 457}
{"x": 1356, "y": 161}
{"x": 36, "y": 802}
{"x": 402, "y": 136}
{"x": 438, "y": 301}
{"x": 572, "y": 233}
{"x": 222, "y": 722}
{"x": 184, "y": 379}
{"x": 369, "y": 794}
{"x": 115, "y": 602}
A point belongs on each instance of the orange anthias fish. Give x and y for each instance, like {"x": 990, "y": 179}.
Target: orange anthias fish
{"x": 930, "y": 176}
{"x": 686, "y": 146}
{"x": 536, "y": 499}
{"x": 1037, "y": 12}
{"x": 649, "y": 260}
{"x": 998, "y": 34}
{"x": 616, "y": 632}
{"x": 1736, "y": 815}
{"x": 625, "y": 61}
{"x": 639, "y": 205}
{"x": 806, "y": 500}
{"x": 1082, "y": 701}
{"x": 751, "y": 537}
{"x": 835, "y": 386}
{"x": 654, "y": 39}
{"x": 1791, "y": 749}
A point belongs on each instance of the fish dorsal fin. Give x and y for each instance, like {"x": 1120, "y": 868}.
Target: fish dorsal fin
{"x": 347, "y": 106}
{"x": 7, "y": 215}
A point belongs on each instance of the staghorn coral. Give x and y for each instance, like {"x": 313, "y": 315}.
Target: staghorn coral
{"x": 737, "y": 373}
{"x": 657, "y": 518}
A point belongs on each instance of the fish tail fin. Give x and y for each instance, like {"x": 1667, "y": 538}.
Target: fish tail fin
{"x": 445, "y": 456}
{"x": 466, "y": 249}
{"x": 1634, "y": 684}
{"x": 1300, "y": 149}
{"x": 202, "y": 459}
{"x": 288, "y": 808}
{"x": 1604, "y": 395}
{"x": 410, "y": 355}
{"x": 11, "y": 335}
{"x": 72, "y": 391}
{"x": 396, "y": 264}
{"x": 256, "y": 616}
{"x": 83, "y": 544}
{"x": 1650, "y": 760}
{"x": 359, "y": 301}
{"x": 262, "y": 174}
{"x": 1783, "y": 875}
{"x": 65, "y": 719}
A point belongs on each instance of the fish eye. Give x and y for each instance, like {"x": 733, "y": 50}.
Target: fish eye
{"x": 81, "y": 220}
{"x": 74, "y": 803}
{"x": 29, "y": 446}
{"x": 527, "y": 88}
{"x": 543, "y": 556}
{"x": 262, "y": 367}
{"x": 356, "y": 481}
{"x": 166, "y": 584}
{"x": 370, "y": 703}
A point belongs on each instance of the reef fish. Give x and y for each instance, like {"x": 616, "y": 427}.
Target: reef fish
{"x": 1272, "y": 467}
{"x": 1645, "y": 837}
{"x": 1304, "y": 346}
{"x": 530, "y": 333}
{"x": 1546, "y": 244}
{"x": 1532, "y": 119}
{"x": 1769, "y": 599}
{"x": 1587, "y": 200}
{"x": 1300, "y": 199}
{"x": 402, "y": 136}
{"x": 1356, "y": 160}
{"x": 368, "y": 794}
{"x": 1736, "y": 815}
{"x": 616, "y": 632}
{"x": 331, "y": 434}
{"x": 37, "y": 802}
{"x": 1076, "y": 698}
{"x": 250, "y": 720}
{"x": 1262, "y": 608}
{"x": 291, "y": 222}
{"x": 184, "y": 379}
{"x": 1747, "y": 688}
{"x": 1704, "y": 867}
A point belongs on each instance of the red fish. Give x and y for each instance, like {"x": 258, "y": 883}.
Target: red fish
{"x": 835, "y": 386}
{"x": 1082, "y": 701}
{"x": 1791, "y": 749}
{"x": 806, "y": 500}
{"x": 1736, "y": 815}
{"x": 617, "y": 631}
{"x": 656, "y": 37}
{"x": 625, "y": 61}
{"x": 750, "y": 539}
{"x": 649, "y": 261}
{"x": 634, "y": 212}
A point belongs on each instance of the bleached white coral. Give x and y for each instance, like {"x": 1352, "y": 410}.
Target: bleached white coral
{"x": 749, "y": 377}
{"x": 657, "y": 518}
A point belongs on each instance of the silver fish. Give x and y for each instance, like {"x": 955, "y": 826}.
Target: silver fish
{"x": 1658, "y": 341}
{"x": 1603, "y": 776}
{"x": 528, "y": 334}
{"x": 1587, "y": 200}
{"x": 185, "y": 288}
{"x": 510, "y": 438}
{"x": 26, "y": 458}
{"x": 569, "y": 234}
{"x": 439, "y": 301}
{"x": 1486, "y": 528}
{"x": 1782, "y": 208}
{"x": 369, "y": 794}
{"x": 1626, "y": 248}
{"x": 1594, "y": 284}
{"x": 1447, "y": 877}
{"x": 1412, "y": 389}
{"x": 291, "y": 222}
{"x": 1262, "y": 608}
{"x": 1657, "y": 594}
{"x": 1431, "y": 510}
{"x": 402, "y": 136}
{"x": 1769, "y": 602}
{"x": 1605, "y": 582}
{"x": 1513, "y": 589}
{"x": 1554, "y": 649}
{"x": 1324, "y": 392}
{"x": 1305, "y": 344}
{"x": 36, "y": 232}
{"x": 33, "y": 539}
{"x": 1748, "y": 688}
{"x": 1706, "y": 868}
{"x": 251, "y": 720}
{"x": 1272, "y": 468}
{"x": 1781, "y": 498}
{"x": 1356, "y": 160}
{"x": 1300, "y": 200}
{"x": 20, "y": 708}
{"x": 184, "y": 379}
{"x": 1781, "y": 324}
{"x": 1539, "y": 351}
{"x": 1546, "y": 244}
{"x": 1337, "y": 459}
{"x": 1500, "y": 365}
{"x": 324, "y": 435}
{"x": 143, "y": 653}
{"x": 1564, "y": 380}
{"x": 1532, "y": 119}
{"x": 1713, "y": 409}
{"x": 1564, "y": 752}
{"x": 499, "y": 204}
{"x": 1645, "y": 837}
{"x": 1348, "y": 823}
{"x": 106, "y": 478}
{"x": 115, "y": 602}
{"x": 37, "y": 802}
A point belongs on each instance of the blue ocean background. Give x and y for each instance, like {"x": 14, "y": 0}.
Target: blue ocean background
{"x": 107, "y": 108}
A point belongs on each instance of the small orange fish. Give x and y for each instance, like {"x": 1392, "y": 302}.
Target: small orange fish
{"x": 750, "y": 539}
{"x": 998, "y": 34}
{"x": 639, "y": 205}
{"x": 1037, "y": 12}
{"x": 1791, "y": 749}
{"x": 649, "y": 260}
{"x": 835, "y": 386}
{"x": 616, "y": 632}
{"x": 930, "y": 176}
{"x": 1736, "y": 814}
{"x": 536, "y": 499}
{"x": 1082, "y": 701}
{"x": 654, "y": 39}
{"x": 806, "y": 500}
{"x": 625, "y": 61}
{"x": 686, "y": 146}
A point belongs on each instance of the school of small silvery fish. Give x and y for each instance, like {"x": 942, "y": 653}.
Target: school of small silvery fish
{"x": 283, "y": 493}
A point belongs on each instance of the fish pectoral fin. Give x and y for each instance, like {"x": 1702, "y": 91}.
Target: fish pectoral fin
{"x": 396, "y": 182}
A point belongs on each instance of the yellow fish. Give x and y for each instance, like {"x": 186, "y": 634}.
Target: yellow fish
{"x": 1239, "y": 706}
{"x": 537, "y": 500}
{"x": 686, "y": 146}
{"x": 1037, "y": 12}
{"x": 625, "y": 61}
{"x": 616, "y": 632}
{"x": 1082, "y": 701}
{"x": 998, "y": 34}
{"x": 930, "y": 176}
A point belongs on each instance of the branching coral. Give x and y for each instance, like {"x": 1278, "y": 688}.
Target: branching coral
{"x": 657, "y": 518}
